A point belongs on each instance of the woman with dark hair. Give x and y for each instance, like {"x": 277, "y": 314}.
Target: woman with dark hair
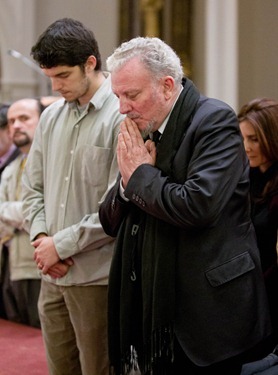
{"x": 259, "y": 127}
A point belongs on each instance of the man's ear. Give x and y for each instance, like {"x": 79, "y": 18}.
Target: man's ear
{"x": 90, "y": 64}
{"x": 169, "y": 85}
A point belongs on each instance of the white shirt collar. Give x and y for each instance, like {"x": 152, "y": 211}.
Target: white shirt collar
{"x": 164, "y": 123}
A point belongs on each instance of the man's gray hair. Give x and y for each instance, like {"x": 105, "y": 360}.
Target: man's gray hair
{"x": 158, "y": 57}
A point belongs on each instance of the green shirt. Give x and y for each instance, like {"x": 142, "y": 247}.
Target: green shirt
{"x": 71, "y": 165}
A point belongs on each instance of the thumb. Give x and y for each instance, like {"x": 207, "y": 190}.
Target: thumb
{"x": 68, "y": 261}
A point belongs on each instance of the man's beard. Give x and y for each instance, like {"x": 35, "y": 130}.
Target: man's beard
{"x": 146, "y": 132}
{"x": 23, "y": 141}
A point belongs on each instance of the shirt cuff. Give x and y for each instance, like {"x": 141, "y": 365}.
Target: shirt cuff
{"x": 122, "y": 192}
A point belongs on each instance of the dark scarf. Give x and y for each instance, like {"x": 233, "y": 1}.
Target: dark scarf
{"x": 142, "y": 277}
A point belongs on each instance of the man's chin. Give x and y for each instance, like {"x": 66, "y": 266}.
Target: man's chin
{"x": 21, "y": 143}
{"x": 144, "y": 127}
{"x": 146, "y": 131}
{"x": 68, "y": 97}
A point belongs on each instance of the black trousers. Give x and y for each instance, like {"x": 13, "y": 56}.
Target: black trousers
{"x": 4, "y": 264}
{"x": 20, "y": 298}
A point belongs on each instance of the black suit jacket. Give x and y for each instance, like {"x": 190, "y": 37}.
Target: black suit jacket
{"x": 221, "y": 307}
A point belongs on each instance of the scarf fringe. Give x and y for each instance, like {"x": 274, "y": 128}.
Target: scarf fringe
{"x": 128, "y": 365}
{"x": 158, "y": 355}
{"x": 162, "y": 352}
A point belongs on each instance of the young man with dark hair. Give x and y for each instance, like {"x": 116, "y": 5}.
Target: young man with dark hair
{"x": 70, "y": 167}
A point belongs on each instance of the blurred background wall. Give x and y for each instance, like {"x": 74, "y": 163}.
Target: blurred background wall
{"x": 228, "y": 47}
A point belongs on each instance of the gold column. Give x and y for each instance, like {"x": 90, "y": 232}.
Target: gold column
{"x": 151, "y": 10}
{"x": 149, "y": 18}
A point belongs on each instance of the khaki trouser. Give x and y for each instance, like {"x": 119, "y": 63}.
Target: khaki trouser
{"x": 74, "y": 327}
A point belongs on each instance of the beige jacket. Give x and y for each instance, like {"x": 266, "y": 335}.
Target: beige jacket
{"x": 22, "y": 265}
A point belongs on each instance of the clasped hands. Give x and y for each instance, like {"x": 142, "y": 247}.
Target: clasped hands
{"x": 47, "y": 258}
{"x": 132, "y": 150}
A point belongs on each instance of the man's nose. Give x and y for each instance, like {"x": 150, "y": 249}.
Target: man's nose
{"x": 16, "y": 124}
{"x": 56, "y": 84}
{"x": 125, "y": 107}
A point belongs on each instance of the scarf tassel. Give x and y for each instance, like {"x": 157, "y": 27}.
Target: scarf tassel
{"x": 161, "y": 360}
{"x": 162, "y": 352}
{"x": 161, "y": 356}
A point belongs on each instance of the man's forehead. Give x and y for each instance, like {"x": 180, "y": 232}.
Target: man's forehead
{"x": 58, "y": 70}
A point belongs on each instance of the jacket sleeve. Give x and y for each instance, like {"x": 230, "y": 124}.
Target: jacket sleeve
{"x": 113, "y": 210}
{"x": 10, "y": 209}
{"x": 208, "y": 168}
{"x": 11, "y": 213}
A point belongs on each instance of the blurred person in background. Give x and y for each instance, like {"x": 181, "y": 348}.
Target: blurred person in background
{"x": 259, "y": 127}
{"x": 8, "y": 152}
{"x": 21, "y": 284}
